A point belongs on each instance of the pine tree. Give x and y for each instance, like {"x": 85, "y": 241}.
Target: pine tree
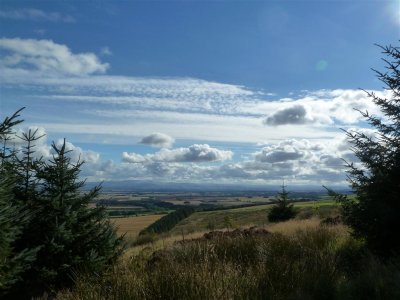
{"x": 375, "y": 213}
{"x": 13, "y": 217}
{"x": 47, "y": 229}
{"x": 72, "y": 235}
{"x": 283, "y": 210}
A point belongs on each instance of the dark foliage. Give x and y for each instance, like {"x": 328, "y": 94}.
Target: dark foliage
{"x": 167, "y": 222}
{"x": 48, "y": 232}
{"x": 13, "y": 217}
{"x": 283, "y": 210}
{"x": 375, "y": 212}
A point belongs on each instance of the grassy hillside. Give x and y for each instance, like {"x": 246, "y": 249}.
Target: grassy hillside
{"x": 248, "y": 216}
{"x": 299, "y": 260}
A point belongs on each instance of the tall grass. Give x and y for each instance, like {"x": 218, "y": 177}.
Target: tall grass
{"x": 312, "y": 263}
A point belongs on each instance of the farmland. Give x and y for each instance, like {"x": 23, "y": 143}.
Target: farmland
{"x": 120, "y": 204}
{"x": 131, "y": 226}
{"x": 211, "y": 219}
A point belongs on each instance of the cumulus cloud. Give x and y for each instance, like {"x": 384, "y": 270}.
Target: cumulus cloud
{"x": 157, "y": 139}
{"x": 278, "y": 156}
{"x": 300, "y": 161}
{"x": 24, "y": 56}
{"x": 291, "y": 115}
{"x": 194, "y": 153}
{"x": 287, "y": 150}
{"x": 315, "y": 163}
{"x": 134, "y": 158}
{"x": 33, "y": 14}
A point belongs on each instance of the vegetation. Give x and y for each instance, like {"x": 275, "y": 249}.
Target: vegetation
{"x": 167, "y": 222}
{"x": 283, "y": 210}
{"x": 375, "y": 212}
{"x": 131, "y": 226}
{"x": 50, "y": 238}
{"x": 14, "y": 218}
{"x": 313, "y": 263}
{"x": 48, "y": 231}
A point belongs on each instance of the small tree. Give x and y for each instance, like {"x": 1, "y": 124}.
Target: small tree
{"x": 375, "y": 213}
{"x": 71, "y": 235}
{"x": 13, "y": 216}
{"x": 47, "y": 229}
{"x": 283, "y": 210}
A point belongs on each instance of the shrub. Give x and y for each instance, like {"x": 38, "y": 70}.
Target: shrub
{"x": 283, "y": 210}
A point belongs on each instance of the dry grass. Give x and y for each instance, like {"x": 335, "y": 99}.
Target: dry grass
{"x": 287, "y": 228}
{"x": 162, "y": 242}
{"x": 315, "y": 262}
{"x": 131, "y": 226}
{"x": 291, "y": 227}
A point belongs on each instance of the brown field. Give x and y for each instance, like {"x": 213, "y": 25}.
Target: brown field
{"x": 133, "y": 225}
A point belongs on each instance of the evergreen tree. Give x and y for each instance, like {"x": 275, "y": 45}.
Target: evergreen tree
{"x": 47, "y": 229}
{"x": 283, "y": 210}
{"x": 375, "y": 213}
{"x": 13, "y": 217}
{"x": 71, "y": 235}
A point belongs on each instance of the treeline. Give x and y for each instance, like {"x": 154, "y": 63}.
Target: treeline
{"x": 152, "y": 205}
{"x": 167, "y": 222}
{"x": 47, "y": 230}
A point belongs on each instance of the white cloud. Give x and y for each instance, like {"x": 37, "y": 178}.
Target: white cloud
{"x": 299, "y": 161}
{"x": 33, "y": 14}
{"x": 27, "y": 57}
{"x": 158, "y": 139}
{"x": 186, "y": 108}
{"x": 190, "y": 95}
{"x": 316, "y": 162}
{"x": 194, "y": 153}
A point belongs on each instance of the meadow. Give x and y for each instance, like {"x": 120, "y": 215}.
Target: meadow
{"x": 213, "y": 254}
{"x": 217, "y": 219}
{"x": 297, "y": 259}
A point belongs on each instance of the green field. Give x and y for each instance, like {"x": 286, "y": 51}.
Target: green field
{"x": 218, "y": 219}
{"x": 248, "y": 216}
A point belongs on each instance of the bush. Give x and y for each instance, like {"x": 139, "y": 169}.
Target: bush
{"x": 283, "y": 210}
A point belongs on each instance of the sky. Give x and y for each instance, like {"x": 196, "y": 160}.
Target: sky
{"x": 226, "y": 92}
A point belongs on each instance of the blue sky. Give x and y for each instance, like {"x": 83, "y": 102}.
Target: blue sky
{"x": 246, "y": 92}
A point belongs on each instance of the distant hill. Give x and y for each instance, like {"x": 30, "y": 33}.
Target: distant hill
{"x": 149, "y": 186}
